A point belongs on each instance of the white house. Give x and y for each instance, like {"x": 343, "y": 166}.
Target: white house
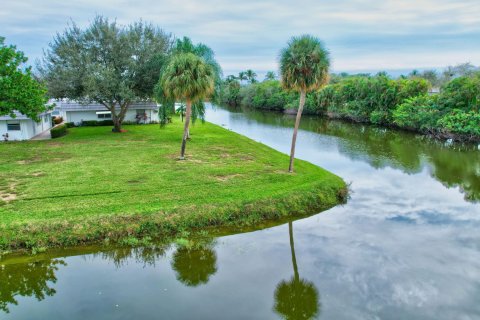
{"x": 23, "y": 128}
{"x": 70, "y": 111}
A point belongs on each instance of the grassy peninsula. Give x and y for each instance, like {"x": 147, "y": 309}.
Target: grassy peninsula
{"x": 93, "y": 185}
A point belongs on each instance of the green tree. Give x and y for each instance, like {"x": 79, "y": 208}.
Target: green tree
{"x": 185, "y": 45}
{"x": 251, "y": 76}
{"x": 304, "y": 65}
{"x": 270, "y": 75}
{"x": 296, "y": 299}
{"x": 242, "y": 75}
{"x": 188, "y": 78}
{"x": 107, "y": 63}
{"x": 19, "y": 91}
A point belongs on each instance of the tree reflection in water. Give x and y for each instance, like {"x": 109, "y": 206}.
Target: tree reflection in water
{"x": 195, "y": 263}
{"x": 296, "y": 298}
{"x": 32, "y": 279}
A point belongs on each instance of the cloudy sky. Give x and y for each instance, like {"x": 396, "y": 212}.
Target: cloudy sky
{"x": 362, "y": 35}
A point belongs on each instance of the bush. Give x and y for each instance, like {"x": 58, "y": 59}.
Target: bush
{"x": 418, "y": 113}
{"x": 70, "y": 124}
{"x": 461, "y": 122}
{"x": 461, "y": 93}
{"x": 95, "y": 123}
{"x": 58, "y": 131}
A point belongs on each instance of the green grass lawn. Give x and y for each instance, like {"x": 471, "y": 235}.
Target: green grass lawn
{"x": 93, "y": 185}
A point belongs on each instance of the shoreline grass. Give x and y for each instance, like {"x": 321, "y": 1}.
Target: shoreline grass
{"x": 94, "y": 186}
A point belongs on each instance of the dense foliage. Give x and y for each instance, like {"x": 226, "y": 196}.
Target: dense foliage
{"x": 107, "y": 63}
{"x": 19, "y": 91}
{"x": 404, "y": 102}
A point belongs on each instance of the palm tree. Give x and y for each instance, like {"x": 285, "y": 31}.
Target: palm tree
{"x": 270, "y": 75}
{"x": 297, "y": 298}
{"x": 304, "y": 65}
{"x": 187, "y": 77}
{"x": 242, "y": 75}
{"x": 251, "y": 75}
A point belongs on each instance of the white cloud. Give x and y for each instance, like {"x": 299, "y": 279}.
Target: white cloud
{"x": 362, "y": 34}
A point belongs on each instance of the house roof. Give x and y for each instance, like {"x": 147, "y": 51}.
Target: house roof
{"x": 20, "y": 116}
{"x": 76, "y": 106}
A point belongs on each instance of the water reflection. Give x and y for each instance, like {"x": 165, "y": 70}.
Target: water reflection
{"x": 33, "y": 279}
{"x": 297, "y": 298}
{"x": 455, "y": 165}
{"x": 195, "y": 263}
{"x": 143, "y": 255}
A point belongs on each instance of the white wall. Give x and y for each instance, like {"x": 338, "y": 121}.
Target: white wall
{"x": 28, "y": 128}
{"x": 25, "y": 132}
{"x": 78, "y": 116}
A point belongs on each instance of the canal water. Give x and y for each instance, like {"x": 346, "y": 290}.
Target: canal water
{"x": 405, "y": 246}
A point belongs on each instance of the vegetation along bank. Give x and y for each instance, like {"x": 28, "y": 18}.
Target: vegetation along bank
{"x": 448, "y": 108}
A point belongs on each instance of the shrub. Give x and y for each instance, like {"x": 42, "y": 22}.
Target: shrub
{"x": 461, "y": 122}
{"x": 58, "y": 131}
{"x": 461, "y": 93}
{"x": 70, "y": 124}
{"x": 95, "y": 123}
{"x": 418, "y": 113}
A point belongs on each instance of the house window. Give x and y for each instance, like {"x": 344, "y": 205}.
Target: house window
{"x": 13, "y": 126}
{"x": 45, "y": 119}
{"x": 104, "y": 115}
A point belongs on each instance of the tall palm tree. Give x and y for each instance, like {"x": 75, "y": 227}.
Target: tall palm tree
{"x": 304, "y": 65}
{"x": 187, "y": 77}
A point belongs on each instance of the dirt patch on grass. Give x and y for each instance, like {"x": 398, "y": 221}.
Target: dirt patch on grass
{"x": 224, "y": 178}
{"x": 38, "y": 174}
{"x": 8, "y": 194}
{"x": 31, "y": 160}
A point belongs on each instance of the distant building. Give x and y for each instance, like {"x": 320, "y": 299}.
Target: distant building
{"x": 23, "y": 128}
{"x": 70, "y": 111}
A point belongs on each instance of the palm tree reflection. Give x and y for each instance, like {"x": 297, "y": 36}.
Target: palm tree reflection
{"x": 296, "y": 298}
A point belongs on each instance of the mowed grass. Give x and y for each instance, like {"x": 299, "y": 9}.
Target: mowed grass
{"x": 93, "y": 184}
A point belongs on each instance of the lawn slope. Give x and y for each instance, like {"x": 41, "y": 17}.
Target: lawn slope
{"x": 93, "y": 185}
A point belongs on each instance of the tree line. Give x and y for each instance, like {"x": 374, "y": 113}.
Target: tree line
{"x": 406, "y": 102}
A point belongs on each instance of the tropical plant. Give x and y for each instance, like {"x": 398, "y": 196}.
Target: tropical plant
{"x": 270, "y": 75}
{"x": 188, "y": 78}
{"x": 19, "y": 91}
{"x": 304, "y": 65}
{"x": 201, "y": 50}
{"x": 106, "y": 63}
{"x": 242, "y": 76}
{"x": 251, "y": 76}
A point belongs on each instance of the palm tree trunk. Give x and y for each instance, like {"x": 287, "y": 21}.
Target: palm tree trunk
{"x": 295, "y": 130}
{"x": 186, "y": 129}
{"x": 292, "y": 248}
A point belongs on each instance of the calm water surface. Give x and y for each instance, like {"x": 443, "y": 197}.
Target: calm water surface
{"x": 406, "y": 246}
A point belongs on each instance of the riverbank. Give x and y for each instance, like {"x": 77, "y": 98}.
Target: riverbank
{"x": 451, "y": 114}
{"x": 93, "y": 186}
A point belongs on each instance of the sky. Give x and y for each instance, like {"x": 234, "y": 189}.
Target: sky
{"x": 361, "y": 35}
